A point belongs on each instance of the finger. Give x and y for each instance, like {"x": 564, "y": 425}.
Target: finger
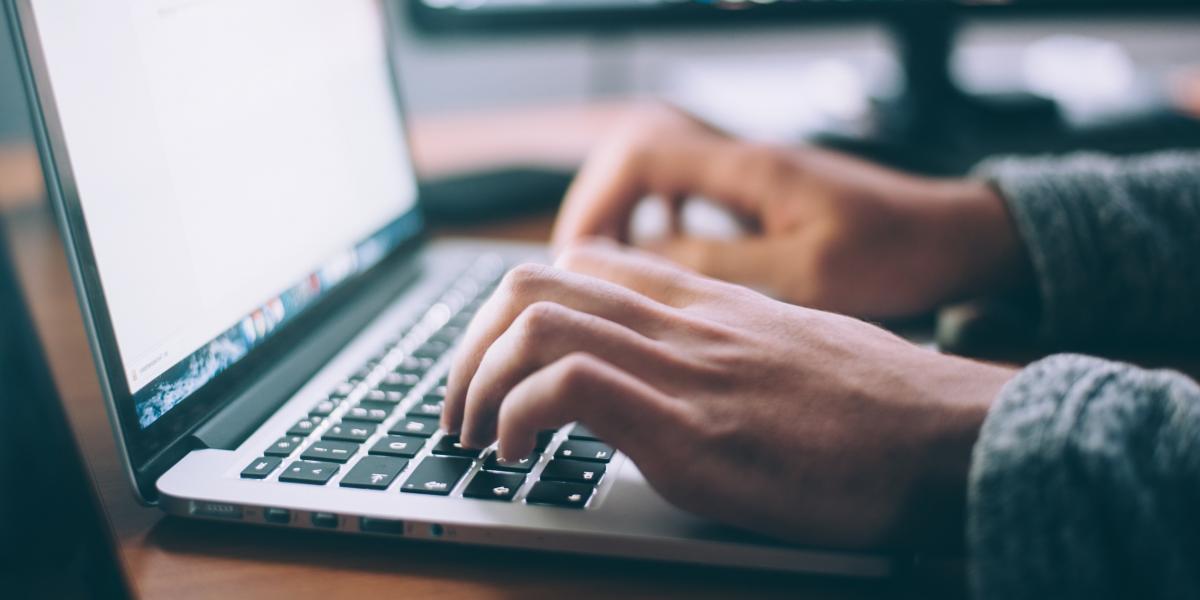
{"x": 612, "y": 182}
{"x": 748, "y": 261}
{"x": 525, "y": 285}
{"x": 603, "y": 194}
{"x": 642, "y": 272}
{"x": 623, "y": 410}
{"x": 546, "y": 332}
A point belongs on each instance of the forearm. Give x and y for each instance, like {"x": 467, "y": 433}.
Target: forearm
{"x": 1114, "y": 244}
{"x": 1085, "y": 482}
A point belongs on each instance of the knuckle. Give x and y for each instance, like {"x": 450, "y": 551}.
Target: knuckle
{"x": 524, "y": 279}
{"x": 537, "y": 323}
{"x": 576, "y": 373}
{"x": 540, "y": 319}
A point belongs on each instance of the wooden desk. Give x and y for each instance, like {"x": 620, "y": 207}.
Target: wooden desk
{"x": 175, "y": 558}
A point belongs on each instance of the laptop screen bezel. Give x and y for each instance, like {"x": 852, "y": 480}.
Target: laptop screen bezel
{"x": 142, "y": 447}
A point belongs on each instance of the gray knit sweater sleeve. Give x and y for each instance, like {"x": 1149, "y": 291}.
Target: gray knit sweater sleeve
{"x": 1085, "y": 481}
{"x": 1115, "y": 243}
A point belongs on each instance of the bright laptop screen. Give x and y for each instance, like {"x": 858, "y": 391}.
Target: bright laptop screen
{"x": 234, "y": 160}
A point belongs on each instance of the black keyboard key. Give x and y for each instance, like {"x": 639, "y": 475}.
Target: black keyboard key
{"x": 315, "y": 473}
{"x": 401, "y": 446}
{"x": 399, "y": 382}
{"x": 374, "y": 472}
{"x": 284, "y": 446}
{"x": 384, "y": 397}
{"x": 449, "y": 445}
{"x": 401, "y": 379}
{"x": 494, "y": 486}
{"x": 437, "y": 393}
{"x": 450, "y": 333}
{"x": 428, "y": 408}
{"x": 520, "y": 465}
{"x": 324, "y": 407}
{"x": 431, "y": 350}
{"x": 437, "y": 475}
{"x": 305, "y": 426}
{"x": 354, "y": 431}
{"x": 579, "y": 471}
{"x": 554, "y": 493}
{"x": 261, "y": 467}
{"x": 413, "y": 366}
{"x": 362, "y": 373}
{"x": 579, "y": 432}
{"x": 367, "y": 414}
{"x": 418, "y": 426}
{"x": 581, "y": 450}
{"x": 544, "y": 437}
{"x": 381, "y": 405}
{"x": 338, "y": 452}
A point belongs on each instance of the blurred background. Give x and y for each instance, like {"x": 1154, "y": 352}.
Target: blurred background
{"x": 539, "y": 81}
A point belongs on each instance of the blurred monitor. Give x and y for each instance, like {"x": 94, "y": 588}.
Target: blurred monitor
{"x": 494, "y": 16}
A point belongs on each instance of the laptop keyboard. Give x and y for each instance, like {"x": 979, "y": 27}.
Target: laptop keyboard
{"x": 379, "y": 430}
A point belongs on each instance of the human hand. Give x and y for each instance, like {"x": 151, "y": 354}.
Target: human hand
{"x": 829, "y": 231}
{"x": 837, "y": 432}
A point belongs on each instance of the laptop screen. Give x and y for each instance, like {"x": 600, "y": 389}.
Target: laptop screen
{"x": 234, "y": 161}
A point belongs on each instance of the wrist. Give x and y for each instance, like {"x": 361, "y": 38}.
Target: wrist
{"x": 962, "y": 391}
{"x": 978, "y": 239}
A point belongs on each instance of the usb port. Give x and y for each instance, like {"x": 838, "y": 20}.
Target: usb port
{"x": 326, "y": 520}
{"x": 388, "y": 526}
{"x": 279, "y": 516}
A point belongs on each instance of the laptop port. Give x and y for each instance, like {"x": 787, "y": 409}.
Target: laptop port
{"x": 218, "y": 510}
{"x": 388, "y": 526}
{"x": 279, "y": 516}
{"x": 325, "y": 520}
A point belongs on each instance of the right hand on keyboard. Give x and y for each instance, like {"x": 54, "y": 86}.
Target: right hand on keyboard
{"x": 793, "y": 422}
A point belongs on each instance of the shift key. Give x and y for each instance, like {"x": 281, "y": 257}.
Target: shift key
{"x": 374, "y": 472}
{"x": 437, "y": 475}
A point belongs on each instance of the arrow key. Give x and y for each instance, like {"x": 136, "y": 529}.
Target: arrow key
{"x": 374, "y": 472}
{"x": 519, "y": 465}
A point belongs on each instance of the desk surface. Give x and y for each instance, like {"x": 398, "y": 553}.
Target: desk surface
{"x": 175, "y": 558}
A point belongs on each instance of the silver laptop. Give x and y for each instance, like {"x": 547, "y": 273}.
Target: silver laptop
{"x": 272, "y": 334}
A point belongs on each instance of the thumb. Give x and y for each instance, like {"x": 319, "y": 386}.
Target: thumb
{"x": 750, "y": 261}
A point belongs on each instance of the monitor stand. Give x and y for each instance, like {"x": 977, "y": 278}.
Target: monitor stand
{"x": 934, "y": 126}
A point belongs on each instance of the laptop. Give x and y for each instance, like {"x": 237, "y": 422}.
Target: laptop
{"x": 56, "y": 541}
{"x": 271, "y": 327}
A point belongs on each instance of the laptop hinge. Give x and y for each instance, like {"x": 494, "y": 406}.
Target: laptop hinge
{"x": 229, "y": 427}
